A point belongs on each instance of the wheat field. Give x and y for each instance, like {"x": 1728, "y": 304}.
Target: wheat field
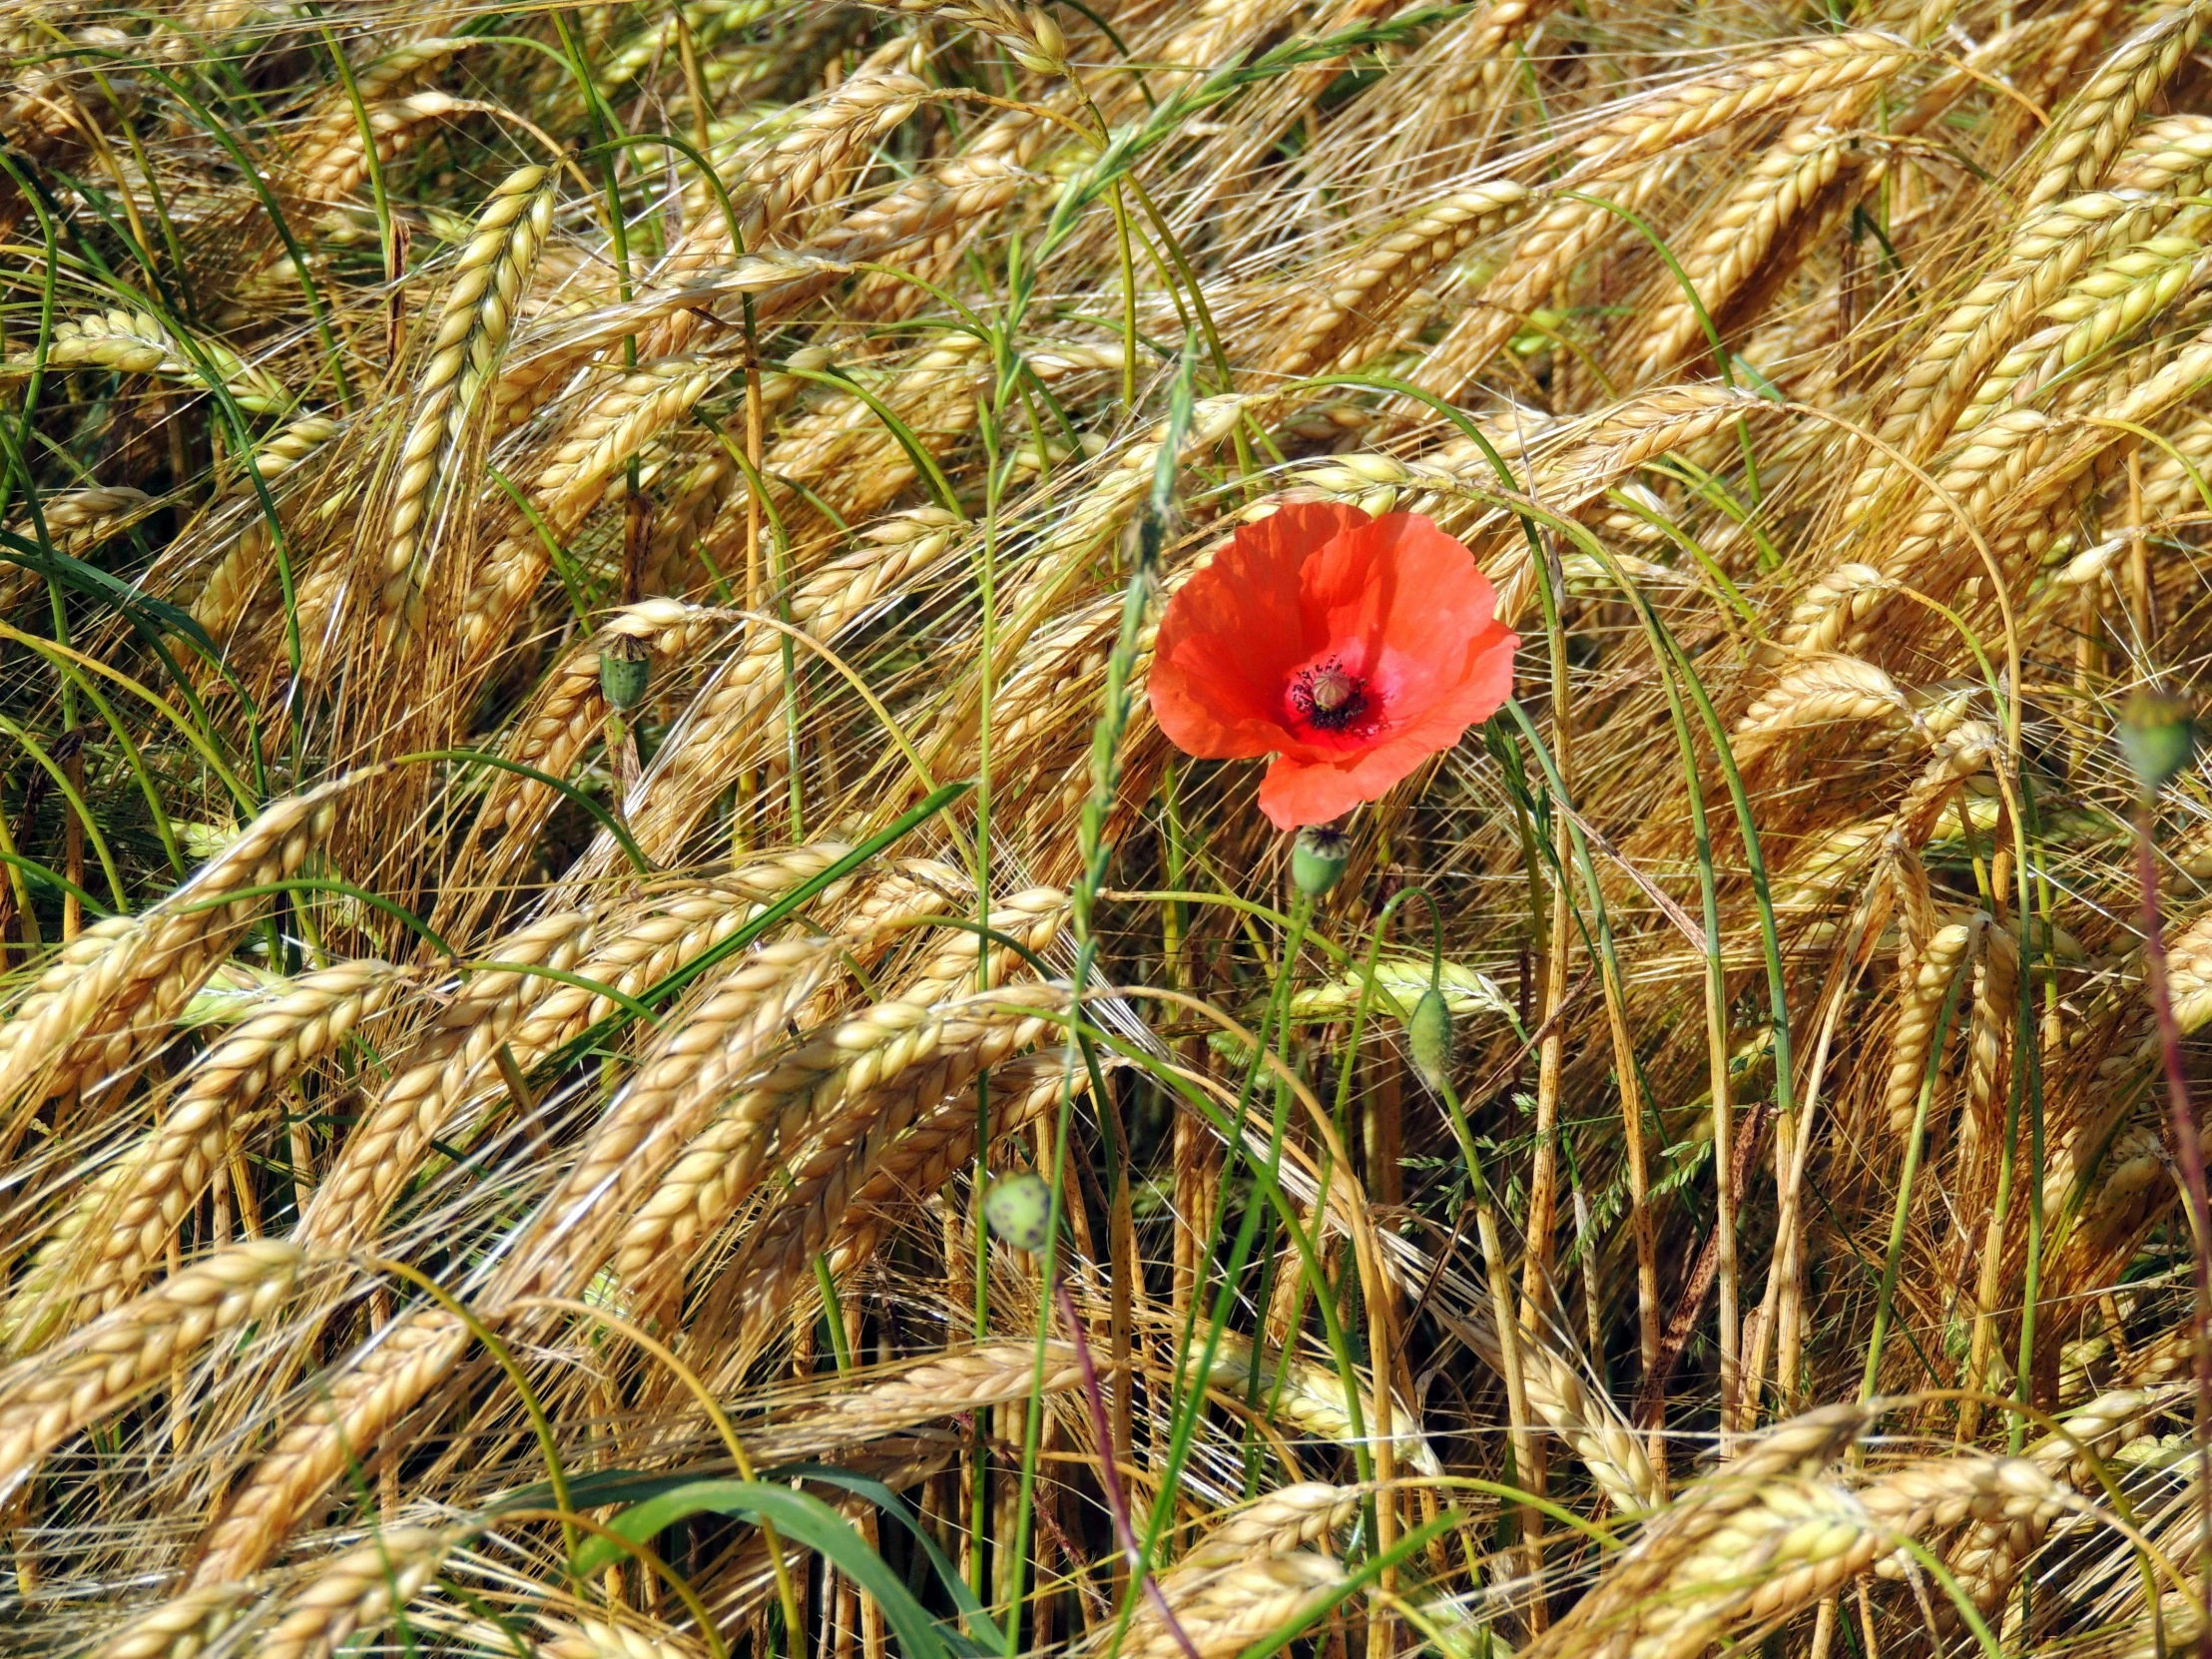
{"x": 577, "y": 585}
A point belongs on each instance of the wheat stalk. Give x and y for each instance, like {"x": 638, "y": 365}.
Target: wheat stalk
{"x": 1586, "y": 1418}
{"x": 2045, "y": 253}
{"x": 1029, "y": 33}
{"x": 166, "y": 1175}
{"x": 1224, "y": 1611}
{"x": 134, "y": 342}
{"x": 800, "y": 167}
{"x": 1744, "y": 227}
{"x": 844, "y": 1219}
{"x": 473, "y": 326}
{"x": 181, "y": 1628}
{"x": 116, "y": 986}
{"x": 392, "y": 75}
{"x": 1680, "y": 113}
{"x": 1988, "y": 1040}
{"x": 337, "y": 169}
{"x": 2106, "y": 302}
{"x": 1633, "y": 432}
{"x": 612, "y": 429}
{"x": 130, "y": 342}
{"x": 945, "y": 1386}
{"x": 460, "y": 1042}
{"x": 571, "y": 710}
{"x": 834, "y": 1209}
{"x": 1364, "y": 294}
{"x": 1549, "y": 247}
{"x": 1926, "y": 981}
{"x": 81, "y": 519}
{"x": 1987, "y": 1554}
{"x": 1982, "y": 485}
{"x": 843, "y": 449}
{"x": 876, "y": 1071}
{"x": 1286, "y": 1519}
{"x": 591, "y": 1638}
{"x": 2189, "y": 972}
{"x": 1312, "y": 1398}
{"x": 1712, "y": 1549}
{"x": 670, "y": 930}
{"x": 1828, "y": 689}
{"x": 1827, "y": 617}
{"x": 357, "y": 1590}
{"x": 2024, "y": 521}
{"x": 694, "y": 765}
{"x": 407, "y": 1359}
{"x": 32, "y": 1291}
{"x": 955, "y": 194}
{"x": 2169, "y": 156}
{"x": 2089, "y": 133}
{"x": 47, "y": 1398}
{"x": 675, "y": 1091}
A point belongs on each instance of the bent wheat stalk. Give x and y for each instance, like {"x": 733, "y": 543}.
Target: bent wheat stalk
{"x": 473, "y": 326}
{"x": 47, "y": 1398}
{"x": 113, "y": 989}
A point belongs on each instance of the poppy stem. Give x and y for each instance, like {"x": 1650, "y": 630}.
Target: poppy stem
{"x": 1097, "y": 851}
{"x": 2188, "y": 1152}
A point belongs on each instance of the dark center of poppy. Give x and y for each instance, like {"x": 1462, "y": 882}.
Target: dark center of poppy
{"x": 1328, "y": 698}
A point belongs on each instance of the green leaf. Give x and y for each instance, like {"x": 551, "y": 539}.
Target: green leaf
{"x": 141, "y": 608}
{"x": 895, "y": 1506}
{"x": 800, "y": 1517}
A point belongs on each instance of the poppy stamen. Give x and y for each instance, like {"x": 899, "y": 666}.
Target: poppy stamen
{"x": 1327, "y": 697}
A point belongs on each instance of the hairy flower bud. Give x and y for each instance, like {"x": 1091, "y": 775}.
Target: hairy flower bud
{"x": 1318, "y": 859}
{"x": 2157, "y": 736}
{"x": 1429, "y": 1033}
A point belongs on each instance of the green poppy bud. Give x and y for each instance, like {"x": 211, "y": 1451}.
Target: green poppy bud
{"x": 624, "y": 670}
{"x": 1429, "y": 1033}
{"x": 1019, "y": 1209}
{"x": 2157, "y": 736}
{"x": 1317, "y": 858}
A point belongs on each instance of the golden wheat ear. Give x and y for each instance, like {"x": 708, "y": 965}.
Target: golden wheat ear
{"x": 580, "y": 811}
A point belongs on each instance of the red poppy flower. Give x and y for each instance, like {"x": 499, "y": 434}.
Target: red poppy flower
{"x": 1350, "y": 648}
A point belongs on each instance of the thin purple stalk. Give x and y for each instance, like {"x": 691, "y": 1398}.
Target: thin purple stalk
{"x": 1117, "y": 1503}
{"x": 2190, "y": 1156}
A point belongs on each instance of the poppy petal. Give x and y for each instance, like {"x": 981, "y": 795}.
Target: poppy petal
{"x": 1343, "y": 597}
{"x": 1398, "y": 585}
{"x": 1296, "y": 792}
{"x": 1207, "y": 713}
{"x": 1441, "y": 595}
{"x": 1234, "y": 631}
{"x": 1458, "y": 694}
{"x": 1299, "y": 791}
{"x": 1394, "y": 604}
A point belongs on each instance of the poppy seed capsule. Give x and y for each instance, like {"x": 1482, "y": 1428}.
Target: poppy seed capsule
{"x": 1429, "y": 1033}
{"x": 1318, "y": 859}
{"x": 1019, "y": 1209}
{"x": 624, "y": 671}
